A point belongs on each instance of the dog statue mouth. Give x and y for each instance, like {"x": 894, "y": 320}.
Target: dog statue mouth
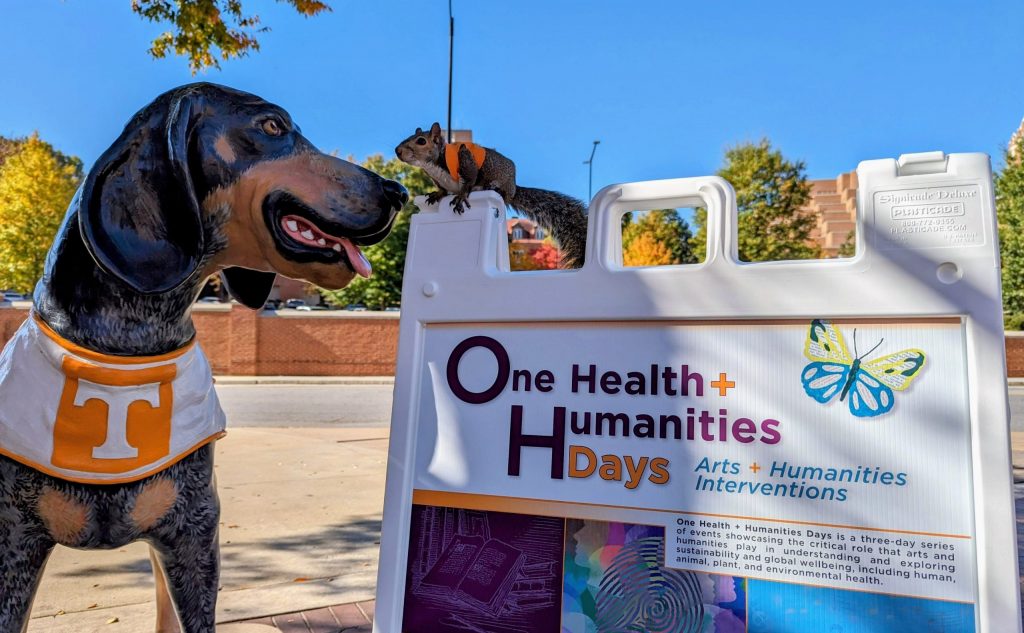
{"x": 307, "y": 234}
{"x": 303, "y": 235}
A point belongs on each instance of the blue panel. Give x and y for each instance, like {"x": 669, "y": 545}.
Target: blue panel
{"x": 787, "y": 608}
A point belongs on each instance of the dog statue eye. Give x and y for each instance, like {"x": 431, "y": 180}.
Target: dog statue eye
{"x": 421, "y": 141}
{"x": 271, "y": 127}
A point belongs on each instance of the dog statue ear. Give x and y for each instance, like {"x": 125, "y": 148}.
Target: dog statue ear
{"x": 251, "y": 288}
{"x": 139, "y": 215}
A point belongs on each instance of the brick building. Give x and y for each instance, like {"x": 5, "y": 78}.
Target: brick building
{"x": 525, "y": 235}
{"x": 834, "y": 203}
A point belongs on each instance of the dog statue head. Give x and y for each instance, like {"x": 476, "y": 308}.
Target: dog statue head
{"x": 206, "y": 179}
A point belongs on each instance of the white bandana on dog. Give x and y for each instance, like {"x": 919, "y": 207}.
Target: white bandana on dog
{"x": 88, "y": 417}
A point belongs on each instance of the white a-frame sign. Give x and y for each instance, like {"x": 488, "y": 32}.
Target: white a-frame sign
{"x": 775, "y": 447}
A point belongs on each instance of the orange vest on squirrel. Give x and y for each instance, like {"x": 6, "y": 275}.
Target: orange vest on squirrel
{"x": 451, "y": 156}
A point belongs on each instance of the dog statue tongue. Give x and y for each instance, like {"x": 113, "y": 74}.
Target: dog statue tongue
{"x": 359, "y": 262}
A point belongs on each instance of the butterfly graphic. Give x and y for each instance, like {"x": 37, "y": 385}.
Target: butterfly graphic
{"x": 869, "y": 385}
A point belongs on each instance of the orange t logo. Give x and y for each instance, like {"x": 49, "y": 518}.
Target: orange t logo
{"x": 113, "y": 420}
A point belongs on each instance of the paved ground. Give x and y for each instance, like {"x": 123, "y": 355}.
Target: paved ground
{"x": 1017, "y": 408}
{"x": 331, "y": 402}
{"x": 350, "y": 618}
{"x": 301, "y": 521}
{"x": 300, "y": 530}
{"x": 330, "y": 405}
{"x": 364, "y": 403}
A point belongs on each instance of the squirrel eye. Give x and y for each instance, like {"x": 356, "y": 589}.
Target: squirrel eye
{"x": 421, "y": 141}
{"x": 271, "y": 127}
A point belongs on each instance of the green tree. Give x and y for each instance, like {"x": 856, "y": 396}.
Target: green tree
{"x": 1010, "y": 211}
{"x": 199, "y": 28}
{"x": 849, "y": 246}
{"x": 36, "y": 185}
{"x": 384, "y": 287}
{"x": 664, "y": 227}
{"x": 770, "y": 193}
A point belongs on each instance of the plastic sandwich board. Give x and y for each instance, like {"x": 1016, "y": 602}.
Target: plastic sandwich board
{"x": 800, "y": 446}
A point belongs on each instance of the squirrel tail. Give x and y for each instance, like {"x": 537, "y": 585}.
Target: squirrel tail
{"x": 563, "y": 215}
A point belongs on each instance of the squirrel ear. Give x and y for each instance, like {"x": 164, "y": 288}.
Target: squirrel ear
{"x": 419, "y": 130}
{"x": 435, "y": 129}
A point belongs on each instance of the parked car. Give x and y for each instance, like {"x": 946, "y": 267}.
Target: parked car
{"x": 294, "y": 303}
{"x": 355, "y": 307}
{"x": 14, "y": 296}
{"x": 272, "y": 304}
{"x": 209, "y": 300}
{"x": 392, "y": 309}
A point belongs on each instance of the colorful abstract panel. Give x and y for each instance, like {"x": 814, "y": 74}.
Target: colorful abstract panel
{"x": 616, "y": 581}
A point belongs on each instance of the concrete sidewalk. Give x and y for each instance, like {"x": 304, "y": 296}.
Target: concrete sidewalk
{"x": 301, "y": 512}
{"x": 300, "y": 535}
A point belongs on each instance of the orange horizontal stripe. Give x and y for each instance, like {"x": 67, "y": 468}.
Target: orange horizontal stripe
{"x": 804, "y": 322}
{"x": 76, "y": 369}
{"x": 105, "y": 482}
{"x": 110, "y": 359}
{"x": 548, "y": 507}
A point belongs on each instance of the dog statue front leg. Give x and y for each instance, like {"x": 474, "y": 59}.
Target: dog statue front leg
{"x": 22, "y": 560}
{"x": 25, "y": 544}
{"x": 166, "y": 617}
{"x": 184, "y": 548}
{"x": 189, "y": 565}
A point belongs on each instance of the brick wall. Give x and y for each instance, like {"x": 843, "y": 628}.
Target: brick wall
{"x": 241, "y": 342}
{"x": 1015, "y": 354}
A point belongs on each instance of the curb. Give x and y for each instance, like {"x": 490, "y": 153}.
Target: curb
{"x": 305, "y": 380}
{"x": 352, "y": 616}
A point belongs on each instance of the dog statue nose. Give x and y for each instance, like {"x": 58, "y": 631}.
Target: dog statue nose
{"x": 396, "y": 194}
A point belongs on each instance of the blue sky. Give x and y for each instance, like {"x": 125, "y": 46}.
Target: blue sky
{"x": 666, "y": 86}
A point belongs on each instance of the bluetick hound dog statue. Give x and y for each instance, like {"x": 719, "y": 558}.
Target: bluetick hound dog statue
{"x": 107, "y": 408}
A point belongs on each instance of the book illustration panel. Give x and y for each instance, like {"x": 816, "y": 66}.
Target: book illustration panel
{"x": 616, "y": 580}
{"x": 482, "y": 571}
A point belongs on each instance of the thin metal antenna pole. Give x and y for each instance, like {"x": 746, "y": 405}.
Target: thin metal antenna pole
{"x": 451, "y": 57}
{"x": 590, "y": 177}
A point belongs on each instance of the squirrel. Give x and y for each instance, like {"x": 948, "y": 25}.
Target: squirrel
{"x": 459, "y": 168}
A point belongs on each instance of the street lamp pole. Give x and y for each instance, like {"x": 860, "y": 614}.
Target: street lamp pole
{"x": 451, "y": 62}
{"x": 590, "y": 177}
